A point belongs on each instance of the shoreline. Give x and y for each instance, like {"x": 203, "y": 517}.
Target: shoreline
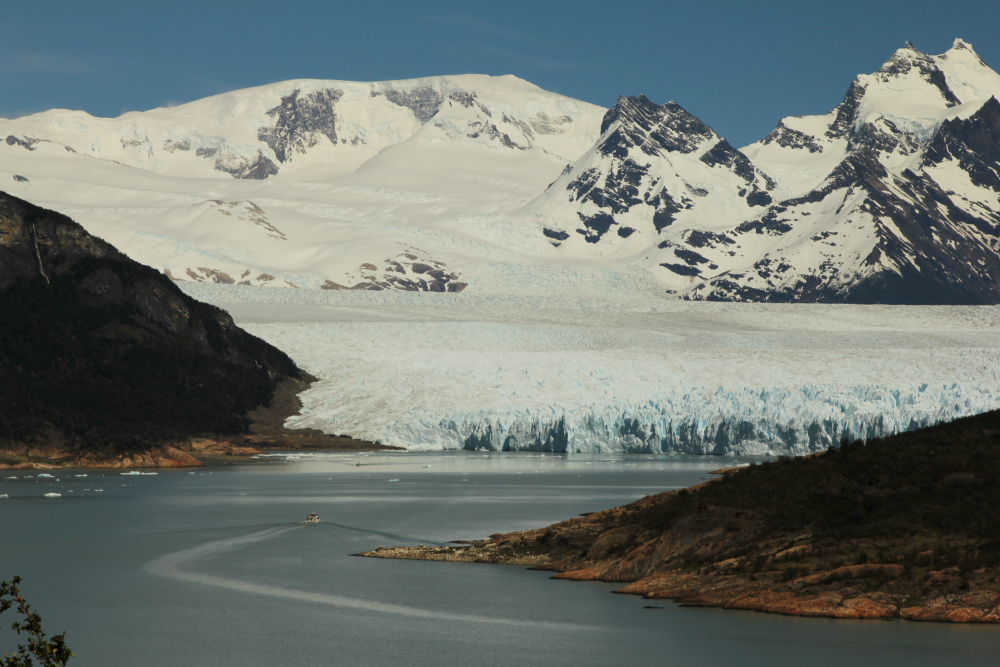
{"x": 189, "y": 453}
{"x": 762, "y": 592}
{"x": 266, "y": 431}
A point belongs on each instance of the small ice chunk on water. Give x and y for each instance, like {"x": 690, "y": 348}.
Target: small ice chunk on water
{"x": 53, "y": 495}
{"x": 393, "y": 480}
{"x": 79, "y": 475}
{"x": 44, "y": 474}
{"x": 3, "y": 495}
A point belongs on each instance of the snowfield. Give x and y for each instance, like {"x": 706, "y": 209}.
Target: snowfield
{"x": 444, "y": 371}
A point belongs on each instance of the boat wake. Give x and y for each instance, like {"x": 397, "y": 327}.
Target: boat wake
{"x": 175, "y": 566}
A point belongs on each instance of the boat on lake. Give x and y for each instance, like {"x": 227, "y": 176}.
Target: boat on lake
{"x": 313, "y": 518}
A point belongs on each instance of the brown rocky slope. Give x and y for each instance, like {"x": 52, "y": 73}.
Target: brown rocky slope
{"x": 901, "y": 527}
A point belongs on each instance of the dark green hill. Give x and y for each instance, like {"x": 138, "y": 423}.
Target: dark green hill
{"x": 100, "y": 352}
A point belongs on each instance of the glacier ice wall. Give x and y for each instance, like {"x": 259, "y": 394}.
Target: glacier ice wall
{"x": 794, "y": 420}
{"x": 509, "y": 373}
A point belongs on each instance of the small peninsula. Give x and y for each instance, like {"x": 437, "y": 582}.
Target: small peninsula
{"x": 898, "y": 527}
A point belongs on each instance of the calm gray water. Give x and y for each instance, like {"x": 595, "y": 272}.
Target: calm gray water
{"x": 215, "y": 568}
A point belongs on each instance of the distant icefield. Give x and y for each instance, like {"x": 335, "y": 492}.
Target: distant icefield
{"x": 444, "y": 371}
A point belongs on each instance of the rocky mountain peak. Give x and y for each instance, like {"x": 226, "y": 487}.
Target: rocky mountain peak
{"x": 655, "y": 129}
{"x": 963, "y": 50}
{"x": 908, "y": 60}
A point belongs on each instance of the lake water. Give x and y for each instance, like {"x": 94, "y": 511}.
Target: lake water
{"x": 215, "y": 568}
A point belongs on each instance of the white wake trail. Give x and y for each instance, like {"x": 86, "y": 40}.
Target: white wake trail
{"x": 172, "y": 565}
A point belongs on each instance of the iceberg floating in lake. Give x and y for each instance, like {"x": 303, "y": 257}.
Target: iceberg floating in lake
{"x": 53, "y": 495}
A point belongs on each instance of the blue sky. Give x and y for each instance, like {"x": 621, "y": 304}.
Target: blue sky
{"x": 739, "y": 66}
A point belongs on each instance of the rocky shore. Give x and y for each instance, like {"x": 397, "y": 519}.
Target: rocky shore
{"x": 190, "y": 453}
{"x": 863, "y": 591}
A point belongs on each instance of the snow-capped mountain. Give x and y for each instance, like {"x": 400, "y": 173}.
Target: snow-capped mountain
{"x": 315, "y": 184}
{"x": 491, "y": 183}
{"x": 654, "y": 167}
{"x": 891, "y": 197}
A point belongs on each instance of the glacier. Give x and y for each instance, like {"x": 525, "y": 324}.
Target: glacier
{"x": 554, "y": 246}
{"x": 617, "y": 373}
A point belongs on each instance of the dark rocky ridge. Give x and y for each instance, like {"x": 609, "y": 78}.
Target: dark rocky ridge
{"x": 974, "y": 143}
{"x": 100, "y": 353}
{"x": 654, "y": 129}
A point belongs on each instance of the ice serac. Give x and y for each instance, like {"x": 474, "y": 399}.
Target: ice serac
{"x": 750, "y": 421}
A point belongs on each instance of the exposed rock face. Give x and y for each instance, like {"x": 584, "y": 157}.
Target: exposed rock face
{"x": 788, "y": 138}
{"x": 476, "y": 120}
{"x": 407, "y": 272}
{"x": 975, "y": 144}
{"x": 300, "y": 121}
{"x": 256, "y": 168}
{"x": 101, "y": 353}
{"x": 424, "y": 102}
{"x": 23, "y": 142}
